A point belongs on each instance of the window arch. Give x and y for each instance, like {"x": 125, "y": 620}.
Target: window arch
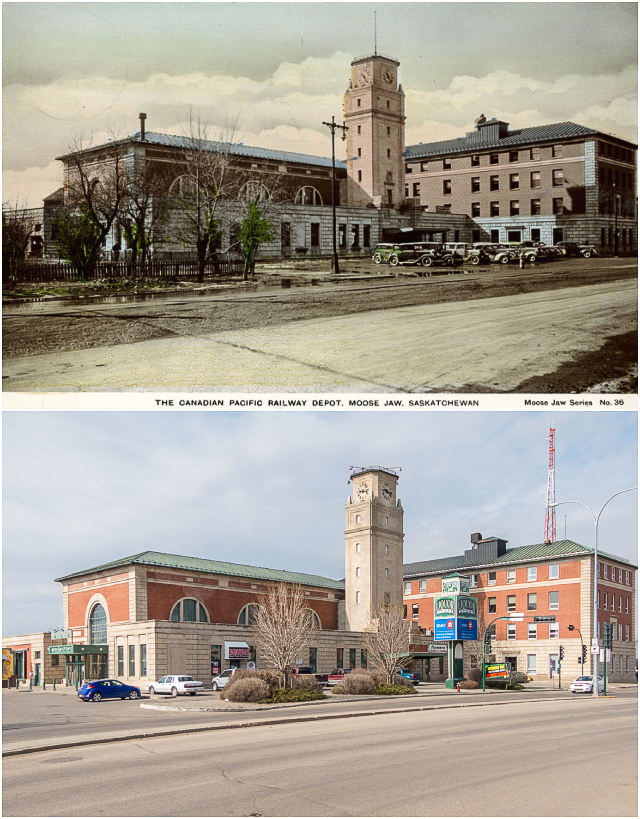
{"x": 254, "y": 191}
{"x": 98, "y": 625}
{"x": 183, "y": 187}
{"x": 311, "y": 618}
{"x": 308, "y": 196}
{"x": 248, "y": 614}
{"x": 189, "y": 610}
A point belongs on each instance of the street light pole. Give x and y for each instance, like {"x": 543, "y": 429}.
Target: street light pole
{"x": 333, "y": 126}
{"x": 596, "y": 520}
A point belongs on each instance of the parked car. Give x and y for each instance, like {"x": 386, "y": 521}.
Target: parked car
{"x": 426, "y": 254}
{"x": 577, "y": 249}
{"x": 302, "y": 670}
{"x": 584, "y": 684}
{"x": 408, "y": 675}
{"x": 107, "y": 690}
{"x": 518, "y": 677}
{"x": 337, "y": 675}
{"x": 496, "y": 253}
{"x": 531, "y": 251}
{"x": 380, "y": 252}
{"x": 175, "y": 684}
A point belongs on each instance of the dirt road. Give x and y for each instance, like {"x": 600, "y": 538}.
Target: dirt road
{"x": 563, "y": 335}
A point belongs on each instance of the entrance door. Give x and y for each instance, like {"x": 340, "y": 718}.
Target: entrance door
{"x": 558, "y": 235}
{"x": 36, "y": 676}
{"x": 514, "y": 236}
{"x": 513, "y": 661}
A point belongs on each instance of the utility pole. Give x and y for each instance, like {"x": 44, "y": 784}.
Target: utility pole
{"x": 333, "y": 127}
{"x": 550, "y": 513}
{"x": 616, "y": 206}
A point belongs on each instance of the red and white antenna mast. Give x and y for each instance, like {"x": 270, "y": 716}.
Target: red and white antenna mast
{"x": 550, "y": 513}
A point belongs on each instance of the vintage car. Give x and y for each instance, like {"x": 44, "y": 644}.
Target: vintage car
{"x": 425, "y": 254}
{"x": 496, "y": 253}
{"x": 576, "y": 249}
{"x": 380, "y": 252}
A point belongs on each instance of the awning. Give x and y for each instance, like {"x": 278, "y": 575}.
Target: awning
{"x": 237, "y": 651}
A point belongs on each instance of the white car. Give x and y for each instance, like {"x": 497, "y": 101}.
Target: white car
{"x": 222, "y": 679}
{"x": 176, "y": 684}
{"x": 584, "y": 684}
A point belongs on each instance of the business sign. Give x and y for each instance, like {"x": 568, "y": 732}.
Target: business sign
{"x": 60, "y": 633}
{"x": 236, "y": 651}
{"x": 455, "y": 585}
{"x": 76, "y": 648}
{"x": 496, "y": 671}
{"x": 434, "y": 648}
{"x": 467, "y": 629}
{"x": 467, "y": 607}
{"x": 7, "y": 663}
{"x": 544, "y": 618}
{"x": 444, "y": 606}
{"x": 445, "y": 629}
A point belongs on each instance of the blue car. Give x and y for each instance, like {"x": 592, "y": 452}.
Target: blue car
{"x": 107, "y": 689}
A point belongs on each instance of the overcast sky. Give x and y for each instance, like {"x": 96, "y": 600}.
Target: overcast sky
{"x": 86, "y": 70}
{"x": 269, "y": 488}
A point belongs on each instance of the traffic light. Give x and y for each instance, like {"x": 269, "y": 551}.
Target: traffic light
{"x": 562, "y": 652}
{"x": 584, "y": 655}
{"x": 607, "y": 631}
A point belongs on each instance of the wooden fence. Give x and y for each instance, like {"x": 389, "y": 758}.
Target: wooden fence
{"x": 183, "y": 269}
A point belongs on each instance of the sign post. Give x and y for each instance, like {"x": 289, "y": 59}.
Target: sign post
{"x": 455, "y": 620}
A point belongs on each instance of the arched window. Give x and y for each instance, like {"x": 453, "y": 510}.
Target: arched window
{"x": 312, "y": 619}
{"x": 189, "y": 611}
{"x": 183, "y": 187}
{"x": 308, "y": 196}
{"x": 247, "y": 616}
{"x": 254, "y": 191}
{"x": 98, "y": 625}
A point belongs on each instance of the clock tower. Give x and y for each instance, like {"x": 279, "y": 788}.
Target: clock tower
{"x": 373, "y": 544}
{"x": 374, "y": 112}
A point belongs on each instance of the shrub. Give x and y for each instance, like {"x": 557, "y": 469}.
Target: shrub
{"x": 356, "y": 683}
{"x": 306, "y": 682}
{"x": 385, "y": 690}
{"x": 474, "y": 675}
{"x": 247, "y": 689}
{"x": 469, "y": 684}
{"x": 294, "y": 695}
{"x": 379, "y": 677}
{"x": 272, "y": 678}
{"x": 398, "y": 680}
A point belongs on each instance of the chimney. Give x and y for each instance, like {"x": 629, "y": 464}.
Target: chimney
{"x": 142, "y": 131}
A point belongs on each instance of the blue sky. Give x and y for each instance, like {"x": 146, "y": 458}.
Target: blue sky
{"x": 269, "y": 488}
{"x": 277, "y": 70}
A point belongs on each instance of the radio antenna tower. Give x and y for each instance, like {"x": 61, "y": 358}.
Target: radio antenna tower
{"x": 550, "y": 513}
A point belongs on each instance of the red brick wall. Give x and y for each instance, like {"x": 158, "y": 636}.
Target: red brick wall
{"x": 116, "y": 595}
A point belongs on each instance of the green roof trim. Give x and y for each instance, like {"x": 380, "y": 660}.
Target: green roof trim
{"x": 521, "y": 554}
{"x": 201, "y": 564}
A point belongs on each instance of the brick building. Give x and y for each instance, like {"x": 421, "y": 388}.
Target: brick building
{"x": 544, "y": 579}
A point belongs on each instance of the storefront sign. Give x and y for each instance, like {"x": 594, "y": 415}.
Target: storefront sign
{"x": 496, "y": 671}
{"x": 445, "y": 629}
{"x": 75, "y": 648}
{"x": 467, "y": 607}
{"x": 434, "y": 648}
{"x": 455, "y": 585}
{"x": 60, "y": 634}
{"x": 237, "y": 651}
{"x": 467, "y": 629}
{"x": 444, "y": 606}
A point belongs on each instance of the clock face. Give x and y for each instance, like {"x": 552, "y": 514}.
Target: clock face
{"x": 363, "y": 76}
{"x": 363, "y": 491}
{"x": 387, "y": 76}
{"x": 387, "y": 492}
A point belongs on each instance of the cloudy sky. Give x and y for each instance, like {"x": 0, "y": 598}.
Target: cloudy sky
{"x": 277, "y": 70}
{"x": 269, "y": 488}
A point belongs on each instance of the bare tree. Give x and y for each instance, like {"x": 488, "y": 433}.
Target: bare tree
{"x": 283, "y": 625}
{"x": 18, "y": 224}
{"x": 143, "y": 209}
{"x": 387, "y": 638}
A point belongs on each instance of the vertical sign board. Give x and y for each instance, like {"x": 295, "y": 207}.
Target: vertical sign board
{"x": 466, "y": 618}
{"x": 455, "y": 617}
{"x": 444, "y": 610}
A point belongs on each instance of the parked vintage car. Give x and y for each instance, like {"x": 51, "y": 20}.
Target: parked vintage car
{"x": 426, "y": 254}
{"x": 532, "y": 252}
{"x": 496, "y": 253}
{"x": 175, "y": 684}
{"x": 577, "y": 249}
{"x": 381, "y": 252}
{"x": 107, "y": 690}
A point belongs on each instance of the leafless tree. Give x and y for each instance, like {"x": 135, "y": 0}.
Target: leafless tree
{"x": 387, "y": 638}
{"x": 144, "y": 208}
{"x": 283, "y": 625}
{"x": 18, "y": 224}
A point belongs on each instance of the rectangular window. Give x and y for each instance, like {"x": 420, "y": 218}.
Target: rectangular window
{"x": 558, "y": 178}
{"x": 511, "y": 602}
{"x": 628, "y": 581}
{"x": 366, "y": 235}
{"x": 494, "y": 209}
{"x": 495, "y": 234}
{"x": 415, "y": 611}
{"x": 359, "y": 129}
{"x": 36, "y": 655}
{"x": 143, "y": 660}
{"x": 554, "y": 631}
{"x": 535, "y": 234}
{"x": 492, "y": 605}
{"x": 626, "y": 663}
{"x": 535, "y": 179}
{"x": 514, "y": 181}
{"x": 359, "y": 103}
{"x": 359, "y": 151}
{"x": 532, "y": 573}
{"x": 532, "y": 631}
{"x": 494, "y": 183}
{"x": 511, "y": 631}
{"x": 423, "y": 585}
{"x": 558, "y": 207}
{"x": 315, "y": 234}
{"x": 313, "y": 659}
{"x": 475, "y": 160}
{"x": 355, "y": 236}
{"x": 626, "y": 632}
{"x": 388, "y": 153}
{"x": 534, "y": 153}
{"x": 606, "y": 571}
{"x": 342, "y": 236}
{"x": 604, "y": 601}
{"x": 513, "y": 156}
{"x": 407, "y": 588}
{"x": 514, "y": 207}
{"x": 598, "y": 569}
{"x": 554, "y": 571}
{"x": 626, "y": 605}
{"x": 359, "y": 176}
{"x": 475, "y": 184}
{"x": 598, "y": 598}
{"x": 491, "y": 578}
{"x": 531, "y": 664}
{"x": 475, "y": 209}
{"x": 494, "y": 159}
{"x": 120, "y": 661}
{"x": 416, "y": 190}
{"x": 620, "y": 632}
{"x": 55, "y": 659}
{"x": 620, "y": 603}
{"x": 408, "y": 168}
{"x": 340, "y": 658}
{"x": 554, "y": 600}
{"x": 446, "y": 164}
{"x": 285, "y": 234}
{"x": 216, "y": 660}
{"x": 614, "y": 573}
{"x": 132, "y": 661}
{"x": 532, "y": 602}
{"x": 424, "y": 166}
{"x": 556, "y": 152}
{"x": 511, "y": 575}
{"x": 473, "y": 580}
{"x": 388, "y": 131}
{"x": 352, "y": 658}
{"x": 363, "y": 658}
{"x": 446, "y": 186}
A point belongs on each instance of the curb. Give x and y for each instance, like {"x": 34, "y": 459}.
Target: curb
{"x": 261, "y": 724}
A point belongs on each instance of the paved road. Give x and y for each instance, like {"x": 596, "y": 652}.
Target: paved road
{"x": 557, "y": 758}
{"x": 488, "y": 344}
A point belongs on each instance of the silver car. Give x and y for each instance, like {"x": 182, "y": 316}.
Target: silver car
{"x": 584, "y": 684}
{"x": 175, "y": 684}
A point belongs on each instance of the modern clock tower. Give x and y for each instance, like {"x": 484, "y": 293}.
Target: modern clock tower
{"x": 374, "y": 113}
{"x": 373, "y": 544}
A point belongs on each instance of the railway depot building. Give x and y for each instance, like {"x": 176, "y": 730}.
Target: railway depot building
{"x": 152, "y": 613}
{"x": 550, "y": 183}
